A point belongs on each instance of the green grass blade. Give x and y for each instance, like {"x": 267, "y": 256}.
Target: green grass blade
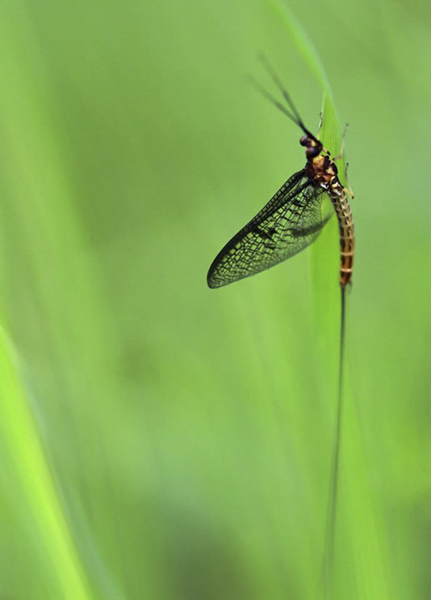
{"x": 324, "y": 253}
{"x": 33, "y": 483}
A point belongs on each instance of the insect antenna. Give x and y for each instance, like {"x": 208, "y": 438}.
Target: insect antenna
{"x": 273, "y": 100}
{"x": 296, "y": 118}
{"x": 268, "y": 68}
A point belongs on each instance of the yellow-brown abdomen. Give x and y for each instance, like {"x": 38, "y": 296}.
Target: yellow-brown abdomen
{"x": 347, "y": 232}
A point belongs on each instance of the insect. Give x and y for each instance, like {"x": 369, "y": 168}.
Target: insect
{"x": 288, "y": 223}
{"x": 294, "y": 216}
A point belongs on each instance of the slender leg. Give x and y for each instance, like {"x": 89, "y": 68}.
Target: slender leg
{"x": 348, "y": 189}
{"x": 320, "y": 123}
{"x": 343, "y": 143}
{"x": 340, "y": 155}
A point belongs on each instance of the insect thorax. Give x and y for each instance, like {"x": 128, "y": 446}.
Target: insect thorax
{"x": 322, "y": 170}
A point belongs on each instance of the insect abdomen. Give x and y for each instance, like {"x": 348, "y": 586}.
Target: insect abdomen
{"x": 347, "y": 232}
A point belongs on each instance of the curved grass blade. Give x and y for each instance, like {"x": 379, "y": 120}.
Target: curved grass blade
{"x": 32, "y": 476}
{"x": 328, "y": 312}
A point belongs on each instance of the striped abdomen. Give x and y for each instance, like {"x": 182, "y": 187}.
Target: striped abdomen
{"x": 346, "y": 227}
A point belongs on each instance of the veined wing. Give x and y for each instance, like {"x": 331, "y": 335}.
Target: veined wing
{"x": 287, "y": 224}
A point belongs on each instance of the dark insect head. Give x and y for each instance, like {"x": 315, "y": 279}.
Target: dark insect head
{"x": 312, "y": 145}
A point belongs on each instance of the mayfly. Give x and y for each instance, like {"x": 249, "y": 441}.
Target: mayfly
{"x": 288, "y": 223}
{"x": 293, "y": 218}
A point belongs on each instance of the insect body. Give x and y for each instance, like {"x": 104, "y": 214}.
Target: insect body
{"x": 293, "y": 218}
{"x": 322, "y": 170}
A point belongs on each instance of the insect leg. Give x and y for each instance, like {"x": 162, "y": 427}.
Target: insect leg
{"x": 343, "y": 143}
{"x": 347, "y": 189}
{"x": 320, "y": 123}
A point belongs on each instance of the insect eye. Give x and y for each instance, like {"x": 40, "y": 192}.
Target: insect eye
{"x": 312, "y": 152}
{"x": 304, "y": 141}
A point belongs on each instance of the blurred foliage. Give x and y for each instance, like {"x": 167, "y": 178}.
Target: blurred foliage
{"x": 160, "y": 440}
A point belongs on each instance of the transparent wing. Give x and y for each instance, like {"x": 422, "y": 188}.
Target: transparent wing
{"x": 290, "y": 222}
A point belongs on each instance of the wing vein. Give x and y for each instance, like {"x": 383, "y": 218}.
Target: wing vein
{"x": 287, "y": 224}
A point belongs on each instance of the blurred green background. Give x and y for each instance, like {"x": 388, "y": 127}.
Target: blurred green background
{"x": 160, "y": 440}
